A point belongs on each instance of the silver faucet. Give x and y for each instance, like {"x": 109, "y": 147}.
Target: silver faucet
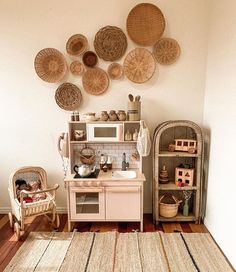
{"x": 125, "y": 164}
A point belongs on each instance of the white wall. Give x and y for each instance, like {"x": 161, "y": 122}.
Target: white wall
{"x": 220, "y": 122}
{"x": 30, "y": 120}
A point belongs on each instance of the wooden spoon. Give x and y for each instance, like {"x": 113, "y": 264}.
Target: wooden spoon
{"x": 131, "y": 98}
{"x": 137, "y": 98}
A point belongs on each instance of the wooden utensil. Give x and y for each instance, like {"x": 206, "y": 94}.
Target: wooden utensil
{"x": 137, "y": 98}
{"x": 131, "y": 98}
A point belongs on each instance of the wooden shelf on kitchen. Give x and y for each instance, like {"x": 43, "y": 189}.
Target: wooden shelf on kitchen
{"x": 172, "y": 186}
{"x": 103, "y": 122}
{"x": 175, "y": 154}
{"x": 179, "y": 217}
{"x": 103, "y": 142}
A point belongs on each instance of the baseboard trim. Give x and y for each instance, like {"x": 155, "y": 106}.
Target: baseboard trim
{"x": 6, "y": 210}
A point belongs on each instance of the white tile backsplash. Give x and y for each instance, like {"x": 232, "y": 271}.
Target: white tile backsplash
{"x": 114, "y": 150}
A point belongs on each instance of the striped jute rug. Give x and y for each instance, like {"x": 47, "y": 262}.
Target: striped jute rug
{"x": 123, "y": 252}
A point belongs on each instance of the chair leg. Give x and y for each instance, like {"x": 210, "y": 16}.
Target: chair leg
{"x": 10, "y": 219}
{"x": 57, "y": 221}
{"x": 17, "y": 230}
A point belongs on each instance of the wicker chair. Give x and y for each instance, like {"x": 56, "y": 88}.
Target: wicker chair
{"x": 22, "y": 210}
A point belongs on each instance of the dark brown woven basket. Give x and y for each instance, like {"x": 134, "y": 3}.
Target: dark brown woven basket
{"x": 110, "y": 43}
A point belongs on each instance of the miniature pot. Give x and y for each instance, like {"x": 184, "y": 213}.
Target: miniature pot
{"x": 121, "y": 115}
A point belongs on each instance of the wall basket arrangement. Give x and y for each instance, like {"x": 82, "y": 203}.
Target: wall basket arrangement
{"x": 145, "y": 25}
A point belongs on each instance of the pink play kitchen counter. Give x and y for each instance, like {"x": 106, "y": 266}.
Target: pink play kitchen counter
{"x": 111, "y": 196}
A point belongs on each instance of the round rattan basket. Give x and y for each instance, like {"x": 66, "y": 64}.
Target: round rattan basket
{"x": 90, "y": 59}
{"x": 168, "y": 205}
{"x": 50, "y": 65}
{"x": 115, "y": 70}
{"x": 76, "y": 45}
{"x": 166, "y": 51}
{"x": 77, "y": 68}
{"x": 95, "y": 81}
{"x": 110, "y": 43}
{"x": 145, "y": 24}
{"x": 139, "y": 65}
{"x": 68, "y": 96}
{"x": 87, "y": 155}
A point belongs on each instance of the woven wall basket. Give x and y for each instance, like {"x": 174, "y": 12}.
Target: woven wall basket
{"x": 145, "y": 24}
{"x": 115, "y": 70}
{"x": 50, "y": 65}
{"x": 90, "y": 59}
{"x": 139, "y": 65}
{"x": 166, "y": 51}
{"x": 95, "y": 81}
{"x": 110, "y": 43}
{"x": 77, "y": 68}
{"x": 68, "y": 96}
{"x": 77, "y": 45}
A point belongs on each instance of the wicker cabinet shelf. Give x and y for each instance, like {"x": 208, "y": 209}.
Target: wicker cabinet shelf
{"x": 165, "y": 134}
{"x": 176, "y": 154}
{"x": 179, "y": 217}
{"x": 172, "y": 186}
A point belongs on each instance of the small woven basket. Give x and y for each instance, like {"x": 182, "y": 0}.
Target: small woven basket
{"x": 166, "y": 208}
{"x": 87, "y": 155}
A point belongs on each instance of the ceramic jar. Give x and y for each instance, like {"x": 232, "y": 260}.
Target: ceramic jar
{"x": 104, "y": 116}
{"x": 121, "y": 115}
{"x": 90, "y": 116}
{"x": 112, "y": 115}
{"x": 128, "y": 136}
{"x": 135, "y": 135}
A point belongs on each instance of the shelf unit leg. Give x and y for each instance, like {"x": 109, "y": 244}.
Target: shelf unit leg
{"x": 141, "y": 226}
{"x": 69, "y": 225}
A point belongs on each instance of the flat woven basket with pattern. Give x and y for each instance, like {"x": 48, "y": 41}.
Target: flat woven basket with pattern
{"x": 68, "y": 96}
{"x": 50, "y": 65}
{"x": 110, "y": 43}
{"x": 166, "y": 51}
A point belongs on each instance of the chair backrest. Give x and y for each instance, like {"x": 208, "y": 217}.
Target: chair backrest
{"x": 29, "y": 174}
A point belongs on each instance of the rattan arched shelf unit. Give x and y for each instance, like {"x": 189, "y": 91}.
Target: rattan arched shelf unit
{"x": 164, "y": 135}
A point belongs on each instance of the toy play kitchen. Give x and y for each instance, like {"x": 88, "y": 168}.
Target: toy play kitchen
{"x": 109, "y": 185}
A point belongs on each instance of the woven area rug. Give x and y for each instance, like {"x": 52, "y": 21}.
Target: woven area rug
{"x": 123, "y": 252}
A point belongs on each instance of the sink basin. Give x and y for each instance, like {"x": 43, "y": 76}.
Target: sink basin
{"x": 130, "y": 174}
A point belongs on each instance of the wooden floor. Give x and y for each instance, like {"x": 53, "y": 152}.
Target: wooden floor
{"x": 9, "y": 245}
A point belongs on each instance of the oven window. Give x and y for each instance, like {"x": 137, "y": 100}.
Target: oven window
{"x": 87, "y": 202}
{"x": 107, "y": 132}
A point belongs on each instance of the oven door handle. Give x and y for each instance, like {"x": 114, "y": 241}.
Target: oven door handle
{"x": 87, "y": 190}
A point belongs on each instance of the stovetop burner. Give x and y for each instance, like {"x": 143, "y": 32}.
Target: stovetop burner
{"x": 92, "y": 175}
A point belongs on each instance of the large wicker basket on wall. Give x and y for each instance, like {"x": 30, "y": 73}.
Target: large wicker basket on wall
{"x": 167, "y": 208}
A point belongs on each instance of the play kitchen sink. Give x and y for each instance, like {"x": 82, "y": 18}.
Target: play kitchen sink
{"x": 130, "y": 174}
